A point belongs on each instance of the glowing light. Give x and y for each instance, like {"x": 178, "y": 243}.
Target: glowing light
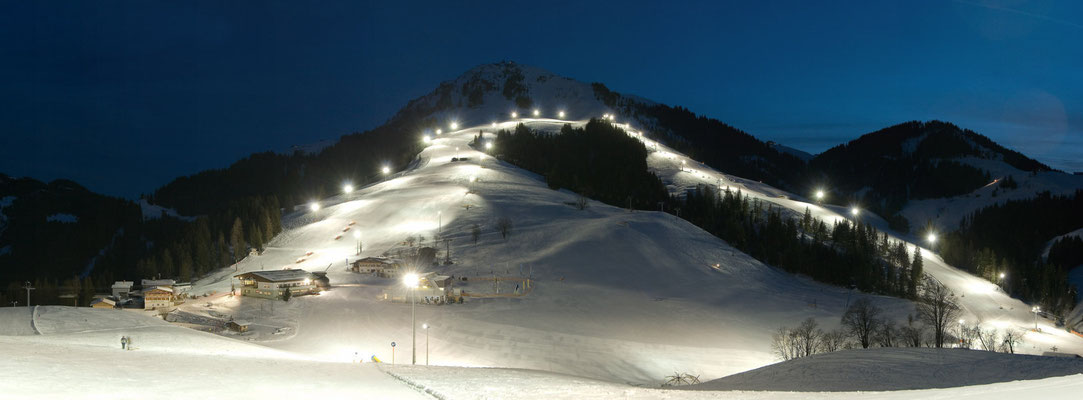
{"x": 454, "y": 125}
{"x": 347, "y": 188}
{"x": 424, "y": 326}
{"x": 514, "y": 114}
{"x": 1001, "y": 275}
{"x": 356, "y": 234}
{"x": 411, "y": 280}
{"x": 494, "y": 124}
{"x": 386, "y": 170}
{"x": 307, "y": 281}
{"x": 931, "y": 238}
{"x": 314, "y": 206}
{"x": 488, "y": 145}
{"x": 427, "y": 139}
{"x": 854, "y": 211}
{"x": 473, "y": 178}
{"x": 819, "y": 195}
{"x": 537, "y": 112}
{"x": 439, "y": 131}
{"x": 561, "y": 114}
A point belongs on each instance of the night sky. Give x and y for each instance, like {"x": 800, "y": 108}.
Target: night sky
{"x": 124, "y": 96}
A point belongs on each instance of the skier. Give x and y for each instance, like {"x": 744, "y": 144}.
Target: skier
{"x": 123, "y": 342}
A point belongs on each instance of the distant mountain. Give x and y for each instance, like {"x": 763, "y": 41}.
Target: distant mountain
{"x": 893, "y": 169}
{"x": 60, "y": 230}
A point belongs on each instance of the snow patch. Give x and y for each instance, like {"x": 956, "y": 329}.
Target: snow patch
{"x": 151, "y": 211}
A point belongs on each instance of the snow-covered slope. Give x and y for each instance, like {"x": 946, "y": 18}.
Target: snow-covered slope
{"x": 896, "y": 369}
{"x": 77, "y": 355}
{"x": 625, "y": 297}
{"x": 946, "y": 213}
{"x": 500, "y": 383}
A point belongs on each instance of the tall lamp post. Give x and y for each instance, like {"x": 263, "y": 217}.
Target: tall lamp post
{"x": 426, "y": 328}
{"x": 411, "y": 281}
{"x": 357, "y": 235}
{"x": 29, "y": 288}
{"x": 439, "y": 222}
{"x": 1036, "y": 309}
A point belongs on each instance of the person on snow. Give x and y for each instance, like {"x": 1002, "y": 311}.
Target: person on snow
{"x": 123, "y": 342}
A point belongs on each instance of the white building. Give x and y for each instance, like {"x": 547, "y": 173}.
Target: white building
{"x": 271, "y": 284}
{"x": 121, "y": 289}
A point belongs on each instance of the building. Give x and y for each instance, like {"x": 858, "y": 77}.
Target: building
{"x": 271, "y": 284}
{"x": 121, "y": 289}
{"x": 158, "y": 298}
{"x": 149, "y": 284}
{"x": 238, "y": 325}
{"x": 104, "y": 303}
{"x": 380, "y": 266}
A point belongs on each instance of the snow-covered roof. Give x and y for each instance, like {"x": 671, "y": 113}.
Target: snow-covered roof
{"x": 104, "y": 300}
{"x": 240, "y": 322}
{"x": 158, "y": 282}
{"x": 283, "y": 275}
{"x": 162, "y": 288}
{"x": 123, "y": 284}
{"x": 382, "y": 260}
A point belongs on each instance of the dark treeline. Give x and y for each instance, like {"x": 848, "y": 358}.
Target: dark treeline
{"x": 713, "y": 142}
{"x": 1011, "y": 237}
{"x": 843, "y": 254}
{"x": 909, "y": 161}
{"x": 599, "y": 161}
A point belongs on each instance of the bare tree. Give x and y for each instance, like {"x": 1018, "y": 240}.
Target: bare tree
{"x": 1012, "y": 339}
{"x": 986, "y": 337}
{"x": 503, "y": 225}
{"x": 862, "y": 319}
{"x": 834, "y": 340}
{"x": 784, "y": 344}
{"x": 582, "y": 202}
{"x": 912, "y": 334}
{"x": 887, "y": 335}
{"x": 937, "y": 308}
{"x": 807, "y": 337}
{"x": 475, "y": 233}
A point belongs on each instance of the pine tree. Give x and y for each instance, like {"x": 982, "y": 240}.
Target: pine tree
{"x": 916, "y": 272}
{"x": 236, "y": 240}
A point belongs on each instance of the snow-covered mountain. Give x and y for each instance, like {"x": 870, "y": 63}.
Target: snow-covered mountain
{"x": 613, "y": 295}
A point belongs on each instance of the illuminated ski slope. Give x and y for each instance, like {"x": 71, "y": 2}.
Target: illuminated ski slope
{"x": 625, "y": 297}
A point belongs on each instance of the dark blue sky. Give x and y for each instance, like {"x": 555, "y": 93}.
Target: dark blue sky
{"x": 124, "y": 96}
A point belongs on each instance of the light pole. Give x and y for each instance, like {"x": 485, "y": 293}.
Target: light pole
{"x": 357, "y": 235}
{"x": 29, "y": 288}
{"x": 426, "y": 328}
{"x": 439, "y": 222}
{"x": 411, "y": 281}
{"x": 1035, "y": 309}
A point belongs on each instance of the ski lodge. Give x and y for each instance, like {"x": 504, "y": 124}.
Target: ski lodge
{"x": 271, "y": 284}
{"x": 380, "y": 266}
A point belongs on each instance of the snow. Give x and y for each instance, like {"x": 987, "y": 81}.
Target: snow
{"x": 620, "y": 297}
{"x": 151, "y": 211}
{"x": 896, "y": 369}
{"x": 638, "y": 299}
{"x": 63, "y": 218}
{"x": 946, "y": 213}
{"x": 72, "y": 360}
{"x": 501, "y": 383}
